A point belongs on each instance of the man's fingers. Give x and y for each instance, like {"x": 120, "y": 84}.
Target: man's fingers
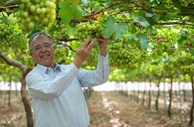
{"x": 91, "y": 45}
{"x": 102, "y": 40}
{"x": 85, "y": 44}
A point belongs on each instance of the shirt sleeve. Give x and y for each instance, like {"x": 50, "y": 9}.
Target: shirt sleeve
{"x": 43, "y": 88}
{"x": 99, "y": 76}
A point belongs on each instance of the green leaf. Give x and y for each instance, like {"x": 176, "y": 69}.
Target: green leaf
{"x": 181, "y": 41}
{"x": 141, "y": 20}
{"x": 149, "y": 14}
{"x": 121, "y": 29}
{"x": 110, "y": 27}
{"x": 154, "y": 1}
{"x": 69, "y": 11}
{"x": 183, "y": 37}
{"x": 75, "y": 1}
{"x": 177, "y": 3}
{"x": 143, "y": 41}
{"x": 134, "y": 37}
{"x": 192, "y": 52}
{"x": 78, "y": 12}
{"x": 173, "y": 12}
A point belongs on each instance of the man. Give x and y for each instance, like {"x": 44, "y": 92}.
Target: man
{"x": 55, "y": 90}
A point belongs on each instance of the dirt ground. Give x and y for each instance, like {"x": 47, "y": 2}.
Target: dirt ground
{"x": 12, "y": 115}
{"x": 118, "y": 110}
{"x": 107, "y": 109}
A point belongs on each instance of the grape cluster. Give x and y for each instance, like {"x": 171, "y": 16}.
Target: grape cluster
{"x": 9, "y": 36}
{"x": 122, "y": 55}
{"x": 57, "y": 30}
{"x": 62, "y": 55}
{"x": 185, "y": 63}
{"x": 35, "y": 12}
{"x": 92, "y": 60}
{"x": 92, "y": 29}
{"x": 189, "y": 43}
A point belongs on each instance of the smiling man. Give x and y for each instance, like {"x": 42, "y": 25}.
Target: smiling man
{"x": 55, "y": 90}
{"x": 41, "y": 50}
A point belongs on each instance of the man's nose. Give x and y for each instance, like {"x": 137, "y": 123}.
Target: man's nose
{"x": 43, "y": 48}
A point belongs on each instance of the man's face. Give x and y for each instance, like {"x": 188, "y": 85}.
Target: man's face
{"x": 42, "y": 51}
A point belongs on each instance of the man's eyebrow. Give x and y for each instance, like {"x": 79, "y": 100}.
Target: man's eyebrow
{"x": 46, "y": 42}
{"x": 37, "y": 45}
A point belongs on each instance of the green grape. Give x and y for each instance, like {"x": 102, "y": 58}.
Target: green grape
{"x": 92, "y": 60}
{"x": 36, "y": 12}
{"x": 185, "y": 62}
{"x": 50, "y": 4}
{"x": 57, "y": 30}
{"x": 93, "y": 29}
{"x": 62, "y": 55}
{"x": 122, "y": 56}
{"x": 10, "y": 38}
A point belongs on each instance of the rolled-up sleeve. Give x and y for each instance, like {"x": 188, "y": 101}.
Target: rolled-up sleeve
{"x": 44, "y": 88}
{"x": 97, "y": 77}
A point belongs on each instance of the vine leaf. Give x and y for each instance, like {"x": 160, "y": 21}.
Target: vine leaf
{"x": 182, "y": 38}
{"x": 192, "y": 52}
{"x": 69, "y": 11}
{"x": 133, "y": 37}
{"x": 141, "y": 20}
{"x": 177, "y": 3}
{"x": 122, "y": 29}
{"x": 143, "y": 41}
{"x": 110, "y": 27}
{"x": 75, "y": 1}
{"x": 173, "y": 12}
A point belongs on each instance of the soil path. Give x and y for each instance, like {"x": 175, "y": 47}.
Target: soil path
{"x": 121, "y": 111}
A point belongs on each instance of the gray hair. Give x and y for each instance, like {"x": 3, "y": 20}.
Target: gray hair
{"x": 43, "y": 33}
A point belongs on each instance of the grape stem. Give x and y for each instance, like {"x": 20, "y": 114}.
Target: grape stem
{"x": 10, "y": 5}
{"x": 63, "y": 44}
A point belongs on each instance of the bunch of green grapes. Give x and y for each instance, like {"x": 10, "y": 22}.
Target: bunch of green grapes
{"x": 92, "y": 29}
{"x": 189, "y": 43}
{"x": 57, "y": 30}
{"x": 185, "y": 62}
{"x": 92, "y": 60}
{"x": 123, "y": 56}
{"x": 9, "y": 36}
{"x": 186, "y": 59}
{"x": 62, "y": 55}
{"x": 35, "y": 12}
{"x": 187, "y": 69}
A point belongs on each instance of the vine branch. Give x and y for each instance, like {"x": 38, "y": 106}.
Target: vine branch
{"x": 14, "y": 63}
{"x": 98, "y": 12}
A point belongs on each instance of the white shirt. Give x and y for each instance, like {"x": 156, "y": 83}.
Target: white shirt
{"x": 56, "y": 94}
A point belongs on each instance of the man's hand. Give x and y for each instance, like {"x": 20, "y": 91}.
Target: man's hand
{"x": 102, "y": 42}
{"x": 83, "y": 52}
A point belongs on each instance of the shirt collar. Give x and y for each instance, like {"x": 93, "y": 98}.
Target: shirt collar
{"x": 44, "y": 69}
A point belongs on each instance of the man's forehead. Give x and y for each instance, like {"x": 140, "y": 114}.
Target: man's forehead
{"x": 40, "y": 38}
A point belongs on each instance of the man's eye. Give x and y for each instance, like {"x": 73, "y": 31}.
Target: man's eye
{"x": 38, "y": 48}
{"x": 47, "y": 45}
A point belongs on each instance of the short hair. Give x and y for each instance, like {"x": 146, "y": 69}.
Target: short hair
{"x": 36, "y": 35}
